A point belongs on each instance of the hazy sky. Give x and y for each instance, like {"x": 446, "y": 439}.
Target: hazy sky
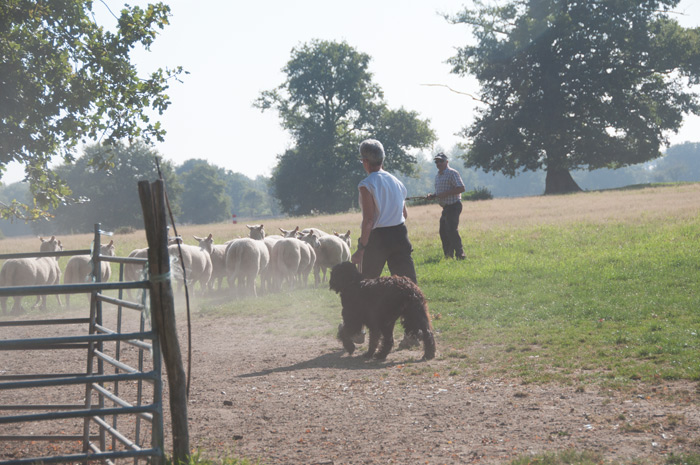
{"x": 235, "y": 50}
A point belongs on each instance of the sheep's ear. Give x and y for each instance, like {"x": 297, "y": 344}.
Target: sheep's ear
{"x": 111, "y": 243}
{"x": 249, "y": 226}
{"x": 41, "y": 239}
{"x": 335, "y": 233}
{"x": 296, "y": 229}
{"x": 348, "y": 233}
{"x": 210, "y": 237}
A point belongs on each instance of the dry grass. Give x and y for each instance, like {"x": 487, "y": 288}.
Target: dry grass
{"x": 622, "y": 206}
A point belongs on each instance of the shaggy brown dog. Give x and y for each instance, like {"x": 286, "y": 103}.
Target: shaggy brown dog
{"x": 377, "y": 304}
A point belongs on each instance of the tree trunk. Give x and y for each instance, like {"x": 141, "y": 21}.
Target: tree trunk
{"x": 559, "y": 181}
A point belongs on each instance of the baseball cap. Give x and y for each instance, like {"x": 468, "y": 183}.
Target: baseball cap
{"x": 440, "y": 156}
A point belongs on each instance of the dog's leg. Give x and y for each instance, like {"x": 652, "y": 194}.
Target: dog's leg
{"x": 374, "y": 334}
{"x": 345, "y": 337}
{"x": 428, "y": 344}
{"x": 387, "y": 341}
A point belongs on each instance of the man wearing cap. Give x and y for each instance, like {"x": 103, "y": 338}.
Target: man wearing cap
{"x": 448, "y": 192}
{"x": 383, "y": 236}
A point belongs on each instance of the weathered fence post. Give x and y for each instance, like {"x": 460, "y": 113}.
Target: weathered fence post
{"x": 163, "y": 312}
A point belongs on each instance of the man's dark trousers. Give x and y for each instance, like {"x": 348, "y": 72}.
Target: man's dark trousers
{"x": 449, "y": 233}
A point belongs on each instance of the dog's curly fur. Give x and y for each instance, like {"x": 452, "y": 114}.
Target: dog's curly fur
{"x": 378, "y": 303}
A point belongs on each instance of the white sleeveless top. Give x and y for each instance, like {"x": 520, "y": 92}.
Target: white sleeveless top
{"x": 389, "y": 194}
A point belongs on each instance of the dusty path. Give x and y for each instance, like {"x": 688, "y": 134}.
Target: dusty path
{"x": 284, "y": 399}
{"x": 291, "y": 400}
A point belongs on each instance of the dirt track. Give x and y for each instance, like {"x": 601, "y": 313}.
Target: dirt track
{"x": 289, "y": 400}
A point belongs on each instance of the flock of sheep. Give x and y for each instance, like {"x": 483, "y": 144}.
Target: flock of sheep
{"x": 275, "y": 261}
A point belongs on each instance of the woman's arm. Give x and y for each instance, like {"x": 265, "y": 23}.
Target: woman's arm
{"x": 368, "y": 212}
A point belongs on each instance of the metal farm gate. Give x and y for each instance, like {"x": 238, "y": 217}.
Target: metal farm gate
{"x": 99, "y": 398}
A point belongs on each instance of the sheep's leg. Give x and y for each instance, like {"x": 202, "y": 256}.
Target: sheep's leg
{"x": 251, "y": 285}
{"x": 58, "y": 299}
{"x": 317, "y": 274}
{"x": 17, "y": 305}
{"x": 38, "y": 301}
{"x": 67, "y": 300}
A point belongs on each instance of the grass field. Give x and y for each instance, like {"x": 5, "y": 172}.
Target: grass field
{"x": 593, "y": 287}
{"x": 596, "y": 287}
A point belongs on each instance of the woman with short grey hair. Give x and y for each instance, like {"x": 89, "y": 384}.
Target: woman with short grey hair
{"x": 384, "y": 237}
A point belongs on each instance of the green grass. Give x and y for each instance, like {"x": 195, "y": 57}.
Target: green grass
{"x": 605, "y": 302}
{"x": 575, "y": 304}
{"x": 572, "y": 457}
{"x": 572, "y": 303}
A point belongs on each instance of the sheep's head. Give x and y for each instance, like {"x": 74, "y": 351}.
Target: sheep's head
{"x": 256, "y": 231}
{"x": 345, "y": 237}
{"x": 310, "y": 239}
{"x": 50, "y": 245}
{"x": 289, "y": 232}
{"x": 107, "y": 250}
{"x": 206, "y": 243}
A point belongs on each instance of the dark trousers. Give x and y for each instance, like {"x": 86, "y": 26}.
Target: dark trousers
{"x": 449, "y": 234}
{"x": 389, "y": 246}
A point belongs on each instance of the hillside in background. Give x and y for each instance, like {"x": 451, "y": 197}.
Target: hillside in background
{"x": 254, "y": 199}
{"x": 681, "y": 163}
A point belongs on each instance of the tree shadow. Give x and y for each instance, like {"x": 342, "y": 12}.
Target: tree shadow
{"x": 333, "y": 360}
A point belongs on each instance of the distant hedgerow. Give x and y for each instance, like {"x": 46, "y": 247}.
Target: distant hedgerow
{"x": 479, "y": 193}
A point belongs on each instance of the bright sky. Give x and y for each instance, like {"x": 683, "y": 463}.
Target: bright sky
{"x": 235, "y": 50}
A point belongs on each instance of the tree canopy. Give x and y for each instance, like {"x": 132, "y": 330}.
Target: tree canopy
{"x": 576, "y": 84}
{"x": 329, "y": 103}
{"x": 204, "y": 198}
{"x": 66, "y": 80}
{"x": 110, "y": 196}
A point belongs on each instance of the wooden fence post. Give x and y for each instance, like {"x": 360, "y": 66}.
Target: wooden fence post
{"x": 163, "y": 312}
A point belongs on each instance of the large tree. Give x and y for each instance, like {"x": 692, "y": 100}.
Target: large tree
{"x": 108, "y": 196}
{"x": 65, "y": 79}
{"x": 204, "y": 198}
{"x": 329, "y": 103}
{"x": 576, "y": 84}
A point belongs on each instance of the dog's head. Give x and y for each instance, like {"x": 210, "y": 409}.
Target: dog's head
{"x": 343, "y": 276}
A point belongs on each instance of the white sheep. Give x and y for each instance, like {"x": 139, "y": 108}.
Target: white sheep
{"x": 268, "y": 275}
{"x": 79, "y": 268}
{"x": 289, "y": 232}
{"x": 218, "y": 259}
{"x": 136, "y": 271}
{"x": 286, "y": 258}
{"x": 37, "y": 271}
{"x": 257, "y": 231}
{"x": 330, "y": 251}
{"x": 345, "y": 237}
{"x": 317, "y": 232}
{"x": 312, "y": 244}
{"x": 306, "y": 264}
{"x": 195, "y": 260}
{"x": 246, "y": 258}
